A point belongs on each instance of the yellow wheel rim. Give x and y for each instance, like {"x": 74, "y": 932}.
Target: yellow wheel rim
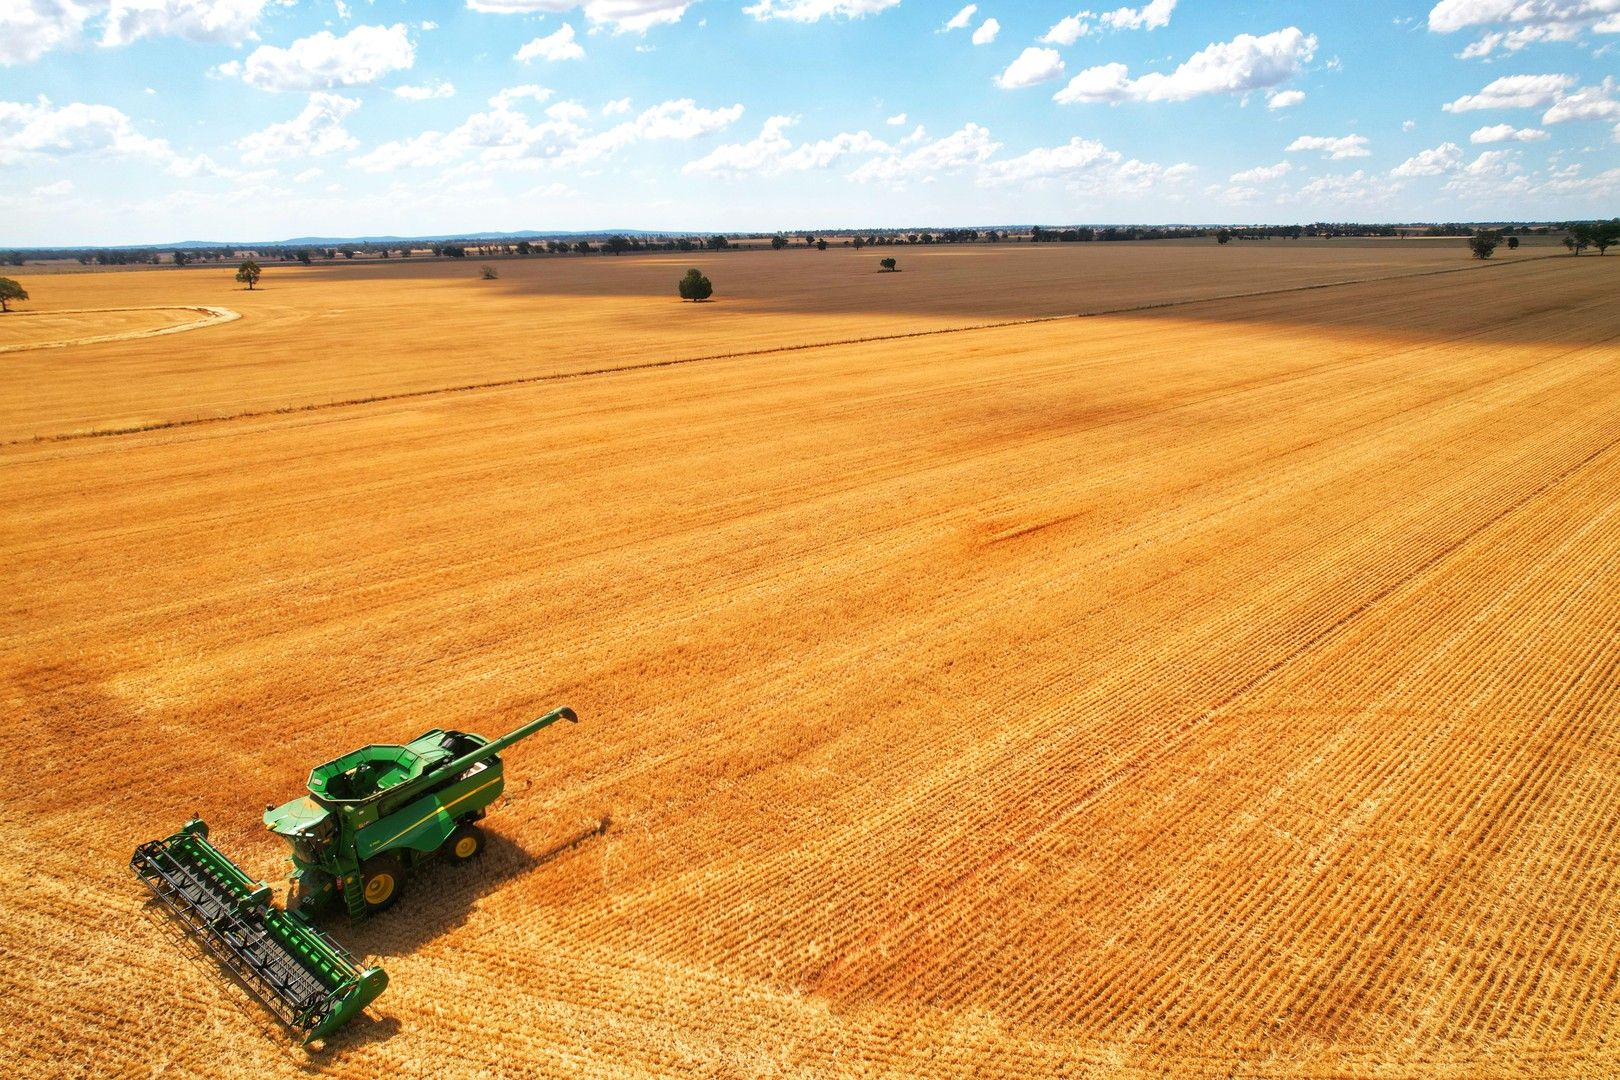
{"x": 466, "y": 846}
{"x": 379, "y": 888}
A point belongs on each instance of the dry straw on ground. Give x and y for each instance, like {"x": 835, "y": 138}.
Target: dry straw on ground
{"x": 1211, "y": 690}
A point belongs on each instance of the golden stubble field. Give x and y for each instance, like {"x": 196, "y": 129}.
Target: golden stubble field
{"x": 1227, "y": 689}
{"x": 329, "y": 334}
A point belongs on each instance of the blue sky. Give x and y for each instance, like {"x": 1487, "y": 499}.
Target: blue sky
{"x": 131, "y": 121}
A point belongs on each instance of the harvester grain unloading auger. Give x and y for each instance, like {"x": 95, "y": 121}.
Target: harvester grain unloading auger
{"x": 370, "y": 817}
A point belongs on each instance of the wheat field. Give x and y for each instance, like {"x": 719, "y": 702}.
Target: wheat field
{"x": 1228, "y": 688}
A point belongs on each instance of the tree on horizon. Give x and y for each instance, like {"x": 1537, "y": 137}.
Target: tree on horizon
{"x": 694, "y": 286}
{"x": 10, "y": 290}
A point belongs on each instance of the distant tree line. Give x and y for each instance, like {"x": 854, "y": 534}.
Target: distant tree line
{"x": 1584, "y": 235}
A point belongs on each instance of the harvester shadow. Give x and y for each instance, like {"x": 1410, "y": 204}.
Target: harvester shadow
{"x": 438, "y": 898}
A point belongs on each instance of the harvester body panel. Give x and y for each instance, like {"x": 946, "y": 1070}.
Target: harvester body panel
{"x": 426, "y": 823}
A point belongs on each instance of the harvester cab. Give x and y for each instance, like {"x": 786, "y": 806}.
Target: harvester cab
{"x": 370, "y": 817}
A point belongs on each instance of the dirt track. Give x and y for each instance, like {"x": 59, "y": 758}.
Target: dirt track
{"x": 1230, "y": 693}
{"x": 73, "y": 319}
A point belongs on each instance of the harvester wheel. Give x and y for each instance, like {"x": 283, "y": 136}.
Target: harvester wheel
{"x": 465, "y": 842}
{"x": 380, "y": 882}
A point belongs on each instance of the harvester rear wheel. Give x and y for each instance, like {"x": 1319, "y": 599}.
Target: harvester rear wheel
{"x": 380, "y": 882}
{"x": 465, "y": 842}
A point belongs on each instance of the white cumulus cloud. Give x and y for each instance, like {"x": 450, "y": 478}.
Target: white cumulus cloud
{"x": 1149, "y": 16}
{"x": 1356, "y": 187}
{"x": 1232, "y": 67}
{"x": 226, "y": 22}
{"x": 897, "y": 120}
{"x": 807, "y": 11}
{"x": 505, "y": 99}
{"x": 1495, "y": 174}
{"x": 622, "y": 16}
{"x": 1332, "y": 147}
{"x": 960, "y": 20}
{"x": 506, "y": 137}
{"x": 1523, "y": 22}
{"x": 1442, "y": 158}
{"x": 1284, "y": 99}
{"x": 968, "y": 146}
{"x": 558, "y": 45}
{"x": 427, "y": 91}
{"x": 680, "y": 119}
{"x": 986, "y": 33}
{"x": 1506, "y": 133}
{"x": 31, "y": 28}
{"x": 1083, "y": 166}
{"x": 315, "y": 131}
{"x": 772, "y": 152}
{"x": 1263, "y": 174}
{"x": 324, "y": 61}
{"x": 1514, "y": 92}
{"x": 1034, "y": 65}
{"x": 38, "y": 130}
{"x": 1587, "y": 103}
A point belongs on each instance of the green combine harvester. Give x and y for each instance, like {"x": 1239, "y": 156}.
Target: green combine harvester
{"x": 370, "y": 817}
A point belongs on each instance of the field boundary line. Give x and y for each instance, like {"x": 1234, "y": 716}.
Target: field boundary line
{"x": 651, "y": 365}
{"x": 213, "y": 316}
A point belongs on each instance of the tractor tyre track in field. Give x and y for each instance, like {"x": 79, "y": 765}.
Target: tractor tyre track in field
{"x": 211, "y": 316}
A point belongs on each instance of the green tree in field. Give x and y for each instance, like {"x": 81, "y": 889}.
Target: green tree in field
{"x": 888, "y": 265}
{"x": 181, "y": 258}
{"x": 821, "y": 245}
{"x": 616, "y": 245}
{"x": 9, "y": 291}
{"x": 1605, "y": 233}
{"x": 694, "y": 286}
{"x": 1223, "y": 236}
{"x": 1578, "y": 238}
{"x": 1513, "y": 243}
{"x": 1482, "y": 244}
{"x": 248, "y": 274}
{"x": 778, "y": 242}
